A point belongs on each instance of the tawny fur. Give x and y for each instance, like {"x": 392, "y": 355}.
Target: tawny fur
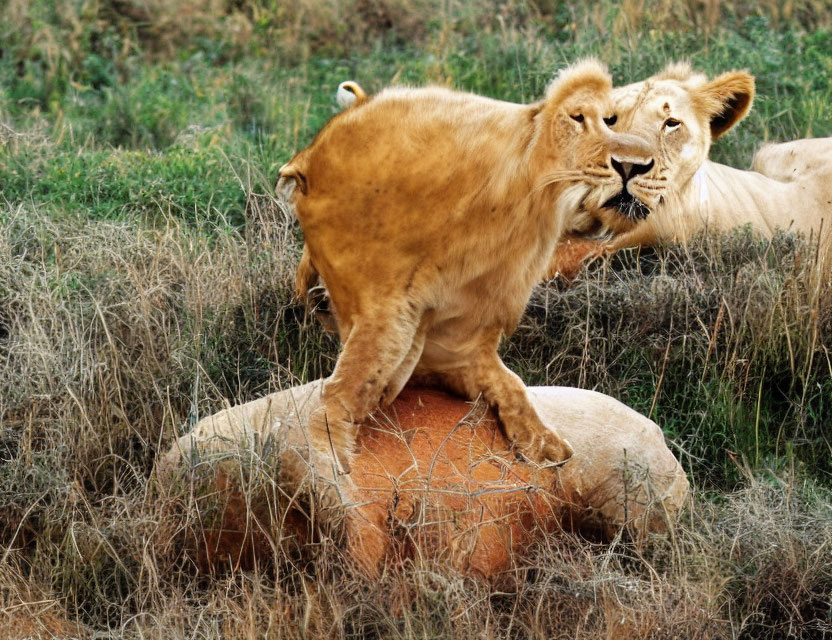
{"x": 789, "y": 187}
{"x": 430, "y": 214}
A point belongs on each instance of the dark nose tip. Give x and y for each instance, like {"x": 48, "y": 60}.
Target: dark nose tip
{"x": 628, "y": 169}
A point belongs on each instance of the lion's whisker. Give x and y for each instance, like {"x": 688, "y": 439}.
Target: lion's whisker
{"x": 559, "y": 176}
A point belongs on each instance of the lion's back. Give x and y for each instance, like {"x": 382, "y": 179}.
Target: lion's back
{"x": 809, "y": 158}
{"x": 421, "y": 193}
{"x": 403, "y": 135}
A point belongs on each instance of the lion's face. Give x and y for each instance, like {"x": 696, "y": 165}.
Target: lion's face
{"x": 663, "y": 112}
{"x": 680, "y": 113}
{"x": 586, "y": 148}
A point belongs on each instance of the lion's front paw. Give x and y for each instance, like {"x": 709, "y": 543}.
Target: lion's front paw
{"x": 547, "y": 448}
{"x": 555, "y": 450}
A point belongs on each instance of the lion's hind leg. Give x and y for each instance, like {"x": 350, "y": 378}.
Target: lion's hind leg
{"x": 374, "y": 350}
{"x": 405, "y": 369}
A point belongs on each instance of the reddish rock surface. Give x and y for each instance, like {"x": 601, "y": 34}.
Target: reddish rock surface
{"x": 33, "y": 625}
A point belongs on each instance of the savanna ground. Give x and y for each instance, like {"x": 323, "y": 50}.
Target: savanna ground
{"x": 145, "y": 280}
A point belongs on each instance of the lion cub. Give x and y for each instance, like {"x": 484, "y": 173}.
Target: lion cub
{"x": 430, "y": 214}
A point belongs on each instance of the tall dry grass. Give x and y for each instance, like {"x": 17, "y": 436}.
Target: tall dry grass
{"x": 128, "y": 334}
{"x": 116, "y": 336}
{"x": 726, "y": 343}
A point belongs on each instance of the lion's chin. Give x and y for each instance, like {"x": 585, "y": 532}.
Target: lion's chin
{"x": 627, "y": 205}
{"x": 615, "y": 208}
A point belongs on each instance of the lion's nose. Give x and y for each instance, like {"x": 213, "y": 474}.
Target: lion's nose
{"x": 629, "y": 167}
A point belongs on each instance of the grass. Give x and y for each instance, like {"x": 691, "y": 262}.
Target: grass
{"x": 722, "y": 343}
{"x": 146, "y": 273}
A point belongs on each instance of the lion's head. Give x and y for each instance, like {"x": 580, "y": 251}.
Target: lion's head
{"x": 575, "y": 131}
{"x": 681, "y": 113}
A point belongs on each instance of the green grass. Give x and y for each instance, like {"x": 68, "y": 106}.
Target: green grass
{"x": 187, "y": 136}
{"x": 146, "y": 274}
{"x": 192, "y": 183}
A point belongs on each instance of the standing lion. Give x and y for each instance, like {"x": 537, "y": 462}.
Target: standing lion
{"x": 430, "y": 214}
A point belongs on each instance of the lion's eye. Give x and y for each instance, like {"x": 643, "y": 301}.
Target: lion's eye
{"x": 578, "y": 117}
{"x": 671, "y": 125}
{"x": 611, "y": 120}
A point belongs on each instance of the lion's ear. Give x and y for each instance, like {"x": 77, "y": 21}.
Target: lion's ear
{"x": 290, "y": 176}
{"x": 585, "y": 75}
{"x": 726, "y": 100}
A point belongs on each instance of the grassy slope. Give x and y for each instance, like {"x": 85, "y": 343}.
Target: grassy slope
{"x": 145, "y": 275}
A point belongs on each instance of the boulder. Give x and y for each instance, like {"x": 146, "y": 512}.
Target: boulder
{"x": 433, "y": 477}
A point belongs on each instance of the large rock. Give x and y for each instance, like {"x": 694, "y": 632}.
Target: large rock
{"x": 433, "y": 476}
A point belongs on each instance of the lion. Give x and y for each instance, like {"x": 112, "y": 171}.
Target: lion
{"x": 432, "y": 477}
{"x": 430, "y": 214}
{"x": 789, "y": 187}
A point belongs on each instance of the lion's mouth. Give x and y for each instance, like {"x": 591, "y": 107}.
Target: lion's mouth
{"x": 628, "y": 205}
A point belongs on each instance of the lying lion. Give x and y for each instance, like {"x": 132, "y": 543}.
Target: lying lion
{"x": 430, "y": 215}
{"x": 682, "y": 112}
{"x": 432, "y": 477}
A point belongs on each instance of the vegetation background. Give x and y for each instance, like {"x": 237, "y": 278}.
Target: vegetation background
{"x": 145, "y": 280}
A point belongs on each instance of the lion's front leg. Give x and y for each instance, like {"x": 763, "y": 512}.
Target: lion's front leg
{"x": 570, "y": 255}
{"x": 486, "y": 374}
{"x": 504, "y": 391}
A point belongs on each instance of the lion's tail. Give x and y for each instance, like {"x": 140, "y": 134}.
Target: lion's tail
{"x": 350, "y": 93}
{"x": 306, "y": 277}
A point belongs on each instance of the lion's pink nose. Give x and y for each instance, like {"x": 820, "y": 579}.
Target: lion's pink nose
{"x": 633, "y": 150}
{"x": 629, "y": 168}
